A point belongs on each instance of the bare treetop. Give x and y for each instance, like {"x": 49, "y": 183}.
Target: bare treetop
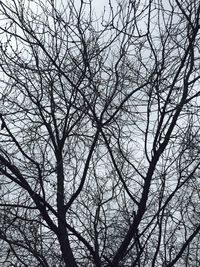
{"x": 99, "y": 133}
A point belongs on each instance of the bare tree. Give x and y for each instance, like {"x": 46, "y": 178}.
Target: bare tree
{"x": 99, "y": 139}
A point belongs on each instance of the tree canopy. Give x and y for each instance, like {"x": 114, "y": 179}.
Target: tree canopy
{"x": 99, "y": 138}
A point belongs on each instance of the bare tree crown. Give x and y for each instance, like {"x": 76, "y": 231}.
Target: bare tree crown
{"x": 99, "y": 133}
